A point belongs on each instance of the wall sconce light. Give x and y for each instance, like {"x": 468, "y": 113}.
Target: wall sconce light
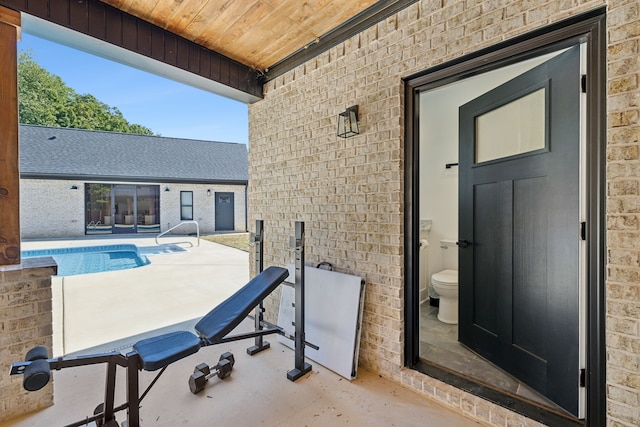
{"x": 208, "y": 192}
{"x": 74, "y": 187}
{"x": 166, "y": 188}
{"x": 348, "y": 122}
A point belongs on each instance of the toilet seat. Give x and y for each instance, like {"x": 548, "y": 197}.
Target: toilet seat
{"x": 446, "y": 285}
{"x": 445, "y": 278}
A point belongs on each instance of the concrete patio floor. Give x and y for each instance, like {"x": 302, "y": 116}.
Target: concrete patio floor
{"x": 103, "y": 313}
{"x": 92, "y": 309}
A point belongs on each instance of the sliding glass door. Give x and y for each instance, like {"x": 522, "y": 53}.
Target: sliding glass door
{"x": 122, "y": 208}
{"x": 98, "y": 219}
{"x": 147, "y": 209}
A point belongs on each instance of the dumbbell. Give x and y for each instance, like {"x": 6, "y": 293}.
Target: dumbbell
{"x": 37, "y": 374}
{"x": 100, "y": 422}
{"x": 203, "y": 372}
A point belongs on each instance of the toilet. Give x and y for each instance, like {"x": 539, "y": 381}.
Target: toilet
{"x": 445, "y": 283}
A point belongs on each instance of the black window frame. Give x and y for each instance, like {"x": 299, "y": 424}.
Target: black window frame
{"x": 184, "y": 205}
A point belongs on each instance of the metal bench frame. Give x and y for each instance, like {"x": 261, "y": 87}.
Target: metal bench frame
{"x": 133, "y": 363}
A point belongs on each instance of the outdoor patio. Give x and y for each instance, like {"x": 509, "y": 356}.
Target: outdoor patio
{"x": 93, "y": 309}
{"x": 257, "y": 393}
{"x": 111, "y": 311}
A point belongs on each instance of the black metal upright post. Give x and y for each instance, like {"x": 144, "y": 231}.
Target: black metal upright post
{"x": 260, "y": 343}
{"x": 133, "y": 393}
{"x": 301, "y": 367}
{"x": 109, "y": 392}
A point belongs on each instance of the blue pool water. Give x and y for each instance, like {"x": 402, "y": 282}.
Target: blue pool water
{"x": 92, "y": 259}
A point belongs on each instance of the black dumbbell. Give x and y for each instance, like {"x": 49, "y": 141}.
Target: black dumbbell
{"x": 203, "y": 372}
{"x": 228, "y": 356}
{"x": 226, "y": 370}
{"x": 37, "y": 374}
{"x": 100, "y": 421}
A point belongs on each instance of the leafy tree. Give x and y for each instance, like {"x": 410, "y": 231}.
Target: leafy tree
{"x": 44, "y": 99}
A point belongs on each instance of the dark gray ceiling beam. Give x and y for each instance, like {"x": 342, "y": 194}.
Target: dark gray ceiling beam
{"x": 108, "y": 24}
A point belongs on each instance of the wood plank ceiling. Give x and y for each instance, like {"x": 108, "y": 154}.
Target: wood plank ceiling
{"x": 256, "y": 33}
{"x": 235, "y": 45}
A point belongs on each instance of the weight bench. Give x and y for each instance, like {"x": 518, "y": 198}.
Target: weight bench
{"x": 159, "y": 352}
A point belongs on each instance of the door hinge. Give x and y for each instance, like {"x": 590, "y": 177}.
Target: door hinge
{"x": 583, "y": 378}
{"x": 583, "y": 83}
{"x": 583, "y": 231}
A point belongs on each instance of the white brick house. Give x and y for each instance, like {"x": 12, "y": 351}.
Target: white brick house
{"x": 142, "y": 184}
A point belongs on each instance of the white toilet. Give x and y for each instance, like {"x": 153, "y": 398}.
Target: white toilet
{"x": 446, "y": 283}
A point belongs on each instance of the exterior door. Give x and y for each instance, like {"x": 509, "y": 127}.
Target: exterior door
{"x": 124, "y": 208}
{"x": 148, "y": 208}
{"x": 519, "y": 227}
{"x": 224, "y": 212}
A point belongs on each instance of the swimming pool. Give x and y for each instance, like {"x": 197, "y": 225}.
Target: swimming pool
{"x": 92, "y": 259}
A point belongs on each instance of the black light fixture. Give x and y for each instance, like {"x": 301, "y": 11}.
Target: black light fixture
{"x": 348, "y": 122}
{"x": 166, "y": 188}
{"x": 74, "y": 187}
{"x": 208, "y": 192}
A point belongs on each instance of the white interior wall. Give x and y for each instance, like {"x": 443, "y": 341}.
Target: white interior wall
{"x": 439, "y": 146}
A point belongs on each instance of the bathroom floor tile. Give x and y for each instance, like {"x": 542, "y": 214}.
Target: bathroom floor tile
{"x": 439, "y": 344}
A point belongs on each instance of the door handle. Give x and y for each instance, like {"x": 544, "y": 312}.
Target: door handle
{"x": 463, "y": 243}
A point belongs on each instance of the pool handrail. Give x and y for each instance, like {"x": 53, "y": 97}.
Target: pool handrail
{"x": 178, "y": 225}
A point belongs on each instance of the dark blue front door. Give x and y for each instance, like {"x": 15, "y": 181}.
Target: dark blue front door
{"x": 224, "y": 212}
{"x": 519, "y": 227}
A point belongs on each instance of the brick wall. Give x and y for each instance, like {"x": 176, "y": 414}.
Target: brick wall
{"x": 203, "y": 205}
{"x": 350, "y": 192}
{"x": 25, "y": 322}
{"x": 623, "y": 214}
{"x": 49, "y": 208}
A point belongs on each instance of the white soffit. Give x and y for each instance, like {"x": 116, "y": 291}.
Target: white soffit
{"x": 59, "y": 34}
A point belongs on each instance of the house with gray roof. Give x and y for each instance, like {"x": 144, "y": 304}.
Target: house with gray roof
{"x": 77, "y": 182}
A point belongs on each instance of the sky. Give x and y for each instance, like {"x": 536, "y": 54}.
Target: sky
{"x": 166, "y": 107}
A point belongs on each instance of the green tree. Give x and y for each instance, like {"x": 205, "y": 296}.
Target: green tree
{"x": 44, "y": 99}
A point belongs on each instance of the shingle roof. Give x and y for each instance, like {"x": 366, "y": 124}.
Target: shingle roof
{"x": 85, "y": 154}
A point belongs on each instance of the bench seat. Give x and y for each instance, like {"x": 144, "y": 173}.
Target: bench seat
{"x": 162, "y": 350}
{"x": 226, "y": 316}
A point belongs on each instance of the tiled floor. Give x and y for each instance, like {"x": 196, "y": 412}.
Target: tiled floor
{"x": 439, "y": 344}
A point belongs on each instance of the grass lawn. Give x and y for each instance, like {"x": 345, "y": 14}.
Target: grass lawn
{"x": 235, "y": 240}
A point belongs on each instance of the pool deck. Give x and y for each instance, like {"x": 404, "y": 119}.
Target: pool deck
{"x": 97, "y": 308}
{"x": 112, "y": 310}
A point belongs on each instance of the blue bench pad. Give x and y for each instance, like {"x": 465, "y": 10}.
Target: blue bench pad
{"x": 163, "y": 350}
{"x": 158, "y": 352}
{"x": 226, "y": 316}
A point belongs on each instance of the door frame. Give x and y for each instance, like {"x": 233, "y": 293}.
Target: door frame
{"x": 215, "y": 210}
{"x": 589, "y": 27}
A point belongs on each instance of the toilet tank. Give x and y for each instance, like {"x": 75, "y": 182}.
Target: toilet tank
{"x": 449, "y": 254}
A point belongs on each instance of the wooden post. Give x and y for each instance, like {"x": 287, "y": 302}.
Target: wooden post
{"x": 9, "y": 160}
